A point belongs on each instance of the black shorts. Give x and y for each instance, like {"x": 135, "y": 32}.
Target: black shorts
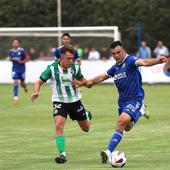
{"x": 75, "y": 110}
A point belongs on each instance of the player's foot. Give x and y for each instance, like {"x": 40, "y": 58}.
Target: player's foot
{"x": 60, "y": 159}
{"x": 146, "y": 113}
{"x": 26, "y": 90}
{"x": 104, "y": 157}
{"x": 15, "y": 100}
{"x": 89, "y": 115}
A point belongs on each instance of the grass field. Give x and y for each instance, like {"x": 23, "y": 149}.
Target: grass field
{"x": 27, "y": 135}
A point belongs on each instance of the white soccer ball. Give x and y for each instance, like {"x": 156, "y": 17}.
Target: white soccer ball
{"x": 117, "y": 159}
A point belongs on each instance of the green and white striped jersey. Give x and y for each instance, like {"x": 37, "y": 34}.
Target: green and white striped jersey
{"x": 62, "y": 88}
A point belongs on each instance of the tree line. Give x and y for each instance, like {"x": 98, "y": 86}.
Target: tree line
{"x": 152, "y": 15}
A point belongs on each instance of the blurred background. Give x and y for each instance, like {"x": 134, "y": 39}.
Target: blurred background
{"x": 147, "y": 20}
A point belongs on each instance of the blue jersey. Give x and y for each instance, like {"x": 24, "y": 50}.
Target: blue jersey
{"x": 127, "y": 79}
{"x": 17, "y": 55}
{"x": 58, "y": 54}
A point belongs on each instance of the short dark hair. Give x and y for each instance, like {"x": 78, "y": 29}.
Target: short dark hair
{"x": 15, "y": 39}
{"x": 66, "y": 34}
{"x": 115, "y": 44}
{"x": 68, "y": 48}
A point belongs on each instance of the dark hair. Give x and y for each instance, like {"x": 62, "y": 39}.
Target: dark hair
{"x": 66, "y": 34}
{"x": 15, "y": 39}
{"x": 68, "y": 48}
{"x": 115, "y": 44}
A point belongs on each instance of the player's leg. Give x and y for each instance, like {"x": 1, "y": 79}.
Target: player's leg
{"x": 83, "y": 117}
{"x": 15, "y": 91}
{"x": 23, "y": 84}
{"x": 60, "y": 139}
{"x": 60, "y": 116}
{"x": 85, "y": 124}
{"x": 123, "y": 120}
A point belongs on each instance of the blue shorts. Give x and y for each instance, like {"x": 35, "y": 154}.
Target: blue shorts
{"x": 18, "y": 75}
{"x": 131, "y": 107}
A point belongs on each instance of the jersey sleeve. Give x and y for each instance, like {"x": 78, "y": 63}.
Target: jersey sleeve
{"x": 111, "y": 71}
{"x": 132, "y": 61}
{"x": 76, "y": 56}
{"x": 78, "y": 74}
{"x": 46, "y": 74}
{"x": 57, "y": 53}
{"x": 24, "y": 54}
{"x": 9, "y": 53}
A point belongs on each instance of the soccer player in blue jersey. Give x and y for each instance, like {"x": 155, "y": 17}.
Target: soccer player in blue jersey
{"x": 128, "y": 81}
{"x": 66, "y": 40}
{"x": 19, "y": 57}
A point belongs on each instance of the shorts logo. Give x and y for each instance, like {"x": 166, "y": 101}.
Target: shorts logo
{"x": 72, "y": 71}
{"x": 80, "y": 109}
{"x": 57, "y": 106}
{"x": 55, "y": 111}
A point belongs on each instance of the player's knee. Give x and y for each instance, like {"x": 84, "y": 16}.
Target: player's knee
{"x": 85, "y": 128}
{"x": 59, "y": 126}
{"x": 129, "y": 126}
{"x": 127, "y": 129}
{"x": 120, "y": 125}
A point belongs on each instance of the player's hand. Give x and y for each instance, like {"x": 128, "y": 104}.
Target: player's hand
{"x": 89, "y": 83}
{"x": 78, "y": 83}
{"x": 163, "y": 59}
{"x": 20, "y": 62}
{"x": 34, "y": 96}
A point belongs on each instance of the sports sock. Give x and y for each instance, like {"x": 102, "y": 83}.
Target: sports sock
{"x": 15, "y": 89}
{"x": 60, "y": 143}
{"x": 138, "y": 115}
{"x": 87, "y": 116}
{"x": 115, "y": 139}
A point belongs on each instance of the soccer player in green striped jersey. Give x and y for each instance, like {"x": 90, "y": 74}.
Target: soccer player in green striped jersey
{"x": 65, "y": 96}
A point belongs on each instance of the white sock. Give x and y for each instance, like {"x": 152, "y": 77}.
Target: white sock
{"x": 15, "y": 97}
{"x": 142, "y": 110}
{"x": 63, "y": 153}
{"x": 108, "y": 152}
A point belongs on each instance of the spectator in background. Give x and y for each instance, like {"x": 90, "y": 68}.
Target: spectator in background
{"x": 51, "y": 52}
{"x": 104, "y": 53}
{"x": 66, "y": 40}
{"x": 79, "y": 50}
{"x": 86, "y": 53}
{"x": 144, "y": 51}
{"x": 93, "y": 54}
{"x": 161, "y": 50}
{"x": 33, "y": 53}
{"x": 43, "y": 56}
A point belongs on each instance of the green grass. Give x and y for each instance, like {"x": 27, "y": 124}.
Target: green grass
{"x": 27, "y": 134}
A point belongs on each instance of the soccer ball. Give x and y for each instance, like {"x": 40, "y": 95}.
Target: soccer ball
{"x": 117, "y": 159}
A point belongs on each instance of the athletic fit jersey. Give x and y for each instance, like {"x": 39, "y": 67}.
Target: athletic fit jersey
{"x": 62, "y": 88}
{"x": 127, "y": 79}
{"x": 58, "y": 54}
{"x": 17, "y": 55}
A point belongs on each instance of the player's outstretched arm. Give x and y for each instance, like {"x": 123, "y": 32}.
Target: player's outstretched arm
{"x": 151, "y": 62}
{"x": 79, "y": 82}
{"x": 97, "y": 80}
{"x": 37, "y": 87}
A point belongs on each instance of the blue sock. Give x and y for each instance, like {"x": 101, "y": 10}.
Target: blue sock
{"x": 15, "y": 89}
{"x": 114, "y": 141}
{"x": 138, "y": 115}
